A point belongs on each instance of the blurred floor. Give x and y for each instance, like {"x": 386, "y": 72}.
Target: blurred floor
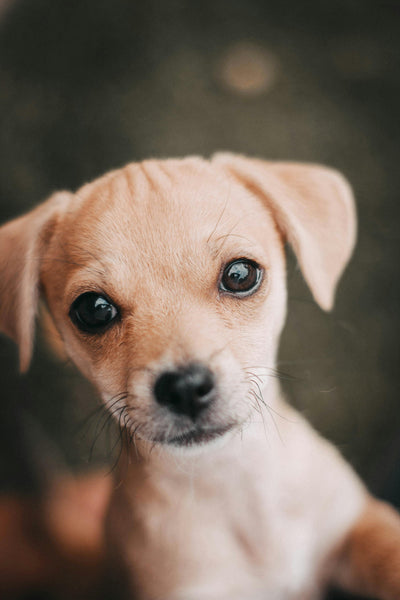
{"x": 89, "y": 85}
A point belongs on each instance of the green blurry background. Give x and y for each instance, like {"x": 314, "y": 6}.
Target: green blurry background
{"x": 88, "y": 85}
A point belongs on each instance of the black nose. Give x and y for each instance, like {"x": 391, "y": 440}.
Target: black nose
{"x": 186, "y": 391}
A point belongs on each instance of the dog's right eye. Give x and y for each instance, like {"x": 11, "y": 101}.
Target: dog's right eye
{"x": 92, "y": 313}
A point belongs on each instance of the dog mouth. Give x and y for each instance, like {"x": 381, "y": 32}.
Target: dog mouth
{"x": 197, "y": 436}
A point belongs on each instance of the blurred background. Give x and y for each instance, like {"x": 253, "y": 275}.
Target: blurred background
{"x": 88, "y": 85}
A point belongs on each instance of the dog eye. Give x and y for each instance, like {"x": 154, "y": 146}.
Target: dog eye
{"x": 92, "y": 313}
{"x": 241, "y": 277}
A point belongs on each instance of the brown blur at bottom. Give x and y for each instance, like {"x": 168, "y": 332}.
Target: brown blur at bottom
{"x": 53, "y": 547}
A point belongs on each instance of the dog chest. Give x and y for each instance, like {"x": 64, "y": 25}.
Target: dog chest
{"x": 205, "y": 541}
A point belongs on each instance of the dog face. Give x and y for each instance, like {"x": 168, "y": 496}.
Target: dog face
{"x": 165, "y": 281}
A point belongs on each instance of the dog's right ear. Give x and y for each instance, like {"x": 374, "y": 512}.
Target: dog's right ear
{"x": 23, "y": 242}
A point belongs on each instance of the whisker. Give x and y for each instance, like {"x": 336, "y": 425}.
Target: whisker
{"x": 274, "y": 372}
{"x": 134, "y": 433}
{"x": 270, "y": 412}
{"x": 225, "y": 237}
{"x": 218, "y": 221}
{"x": 261, "y": 412}
{"x": 108, "y": 419}
{"x": 120, "y": 440}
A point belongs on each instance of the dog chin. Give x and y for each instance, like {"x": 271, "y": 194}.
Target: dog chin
{"x": 196, "y": 438}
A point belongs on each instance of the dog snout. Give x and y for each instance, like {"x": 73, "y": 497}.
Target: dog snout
{"x": 186, "y": 391}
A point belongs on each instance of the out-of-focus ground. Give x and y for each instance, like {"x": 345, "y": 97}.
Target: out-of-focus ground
{"x": 89, "y": 85}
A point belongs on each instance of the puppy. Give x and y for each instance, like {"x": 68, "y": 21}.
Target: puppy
{"x": 166, "y": 283}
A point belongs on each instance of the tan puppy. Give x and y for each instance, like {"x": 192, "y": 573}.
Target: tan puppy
{"x": 166, "y": 282}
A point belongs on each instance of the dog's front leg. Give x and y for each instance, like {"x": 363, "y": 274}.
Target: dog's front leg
{"x": 370, "y": 558}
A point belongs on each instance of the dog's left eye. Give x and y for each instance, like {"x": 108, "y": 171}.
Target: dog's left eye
{"x": 241, "y": 277}
{"x": 92, "y": 313}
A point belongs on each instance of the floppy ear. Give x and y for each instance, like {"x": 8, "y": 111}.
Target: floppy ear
{"x": 313, "y": 207}
{"x": 22, "y": 244}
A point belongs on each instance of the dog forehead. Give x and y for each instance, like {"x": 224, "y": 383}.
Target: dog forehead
{"x": 160, "y": 206}
{"x": 152, "y": 230}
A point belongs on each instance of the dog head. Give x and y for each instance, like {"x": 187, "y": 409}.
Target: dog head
{"x": 166, "y": 282}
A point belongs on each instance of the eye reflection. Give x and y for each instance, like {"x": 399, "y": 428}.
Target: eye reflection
{"x": 92, "y": 312}
{"x": 241, "y": 277}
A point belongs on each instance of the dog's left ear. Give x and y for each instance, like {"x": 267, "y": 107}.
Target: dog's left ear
{"x": 313, "y": 207}
{"x": 22, "y": 245}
